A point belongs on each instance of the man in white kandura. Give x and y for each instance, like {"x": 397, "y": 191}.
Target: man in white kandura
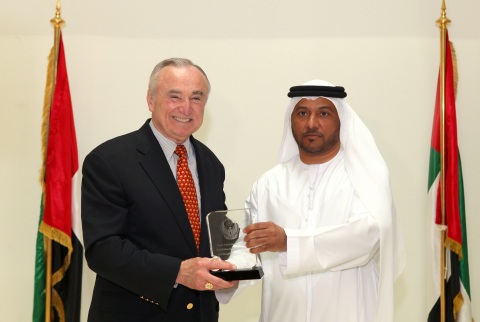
{"x": 324, "y": 218}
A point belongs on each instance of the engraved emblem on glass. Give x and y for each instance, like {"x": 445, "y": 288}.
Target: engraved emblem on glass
{"x": 225, "y": 230}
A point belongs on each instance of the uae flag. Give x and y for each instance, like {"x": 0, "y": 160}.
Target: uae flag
{"x": 457, "y": 285}
{"x": 59, "y": 219}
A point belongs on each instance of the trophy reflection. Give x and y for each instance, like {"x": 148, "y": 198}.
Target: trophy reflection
{"x": 225, "y": 230}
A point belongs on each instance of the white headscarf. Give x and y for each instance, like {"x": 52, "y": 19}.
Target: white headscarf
{"x": 369, "y": 176}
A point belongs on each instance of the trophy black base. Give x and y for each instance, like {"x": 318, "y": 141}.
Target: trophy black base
{"x": 254, "y": 273}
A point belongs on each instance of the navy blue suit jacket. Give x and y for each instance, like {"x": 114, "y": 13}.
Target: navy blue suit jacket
{"x": 136, "y": 230}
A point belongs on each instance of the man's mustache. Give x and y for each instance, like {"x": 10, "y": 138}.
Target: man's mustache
{"x": 307, "y": 132}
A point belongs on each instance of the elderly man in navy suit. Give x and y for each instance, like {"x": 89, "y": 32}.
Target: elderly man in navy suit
{"x": 138, "y": 236}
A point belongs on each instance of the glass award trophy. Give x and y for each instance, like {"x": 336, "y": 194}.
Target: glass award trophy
{"x": 225, "y": 230}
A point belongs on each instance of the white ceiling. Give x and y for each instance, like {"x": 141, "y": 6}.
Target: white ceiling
{"x": 240, "y": 19}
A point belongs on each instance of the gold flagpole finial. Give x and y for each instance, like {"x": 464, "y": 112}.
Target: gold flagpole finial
{"x": 57, "y": 22}
{"x": 443, "y": 21}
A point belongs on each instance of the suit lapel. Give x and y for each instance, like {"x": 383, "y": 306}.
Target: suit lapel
{"x": 203, "y": 168}
{"x": 157, "y": 168}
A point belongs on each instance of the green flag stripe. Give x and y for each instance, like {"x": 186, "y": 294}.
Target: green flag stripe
{"x": 464, "y": 274}
{"x": 434, "y": 168}
{"x": 39, "y": 295}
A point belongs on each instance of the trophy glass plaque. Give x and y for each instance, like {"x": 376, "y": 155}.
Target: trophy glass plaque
{"x": 225, "y": 230}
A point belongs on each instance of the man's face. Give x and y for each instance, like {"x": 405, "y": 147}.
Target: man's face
{"x": 178, "y": 105}
{"x": 316, "y": 129}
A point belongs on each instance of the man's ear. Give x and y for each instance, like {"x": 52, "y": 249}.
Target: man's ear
{"x": 150, "y": 101}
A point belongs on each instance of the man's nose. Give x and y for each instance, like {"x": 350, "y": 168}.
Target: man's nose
{"x": 312, "y": 122}
{"x": 185, "y": 107}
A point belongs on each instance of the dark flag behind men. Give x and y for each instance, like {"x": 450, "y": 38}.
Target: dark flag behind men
{"x": 57, "y": 292}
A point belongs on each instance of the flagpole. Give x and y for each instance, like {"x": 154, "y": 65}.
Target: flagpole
{"x": 48, "y": 283}
{"x": 57, "y": 23}
{"x": 442, "y": 23}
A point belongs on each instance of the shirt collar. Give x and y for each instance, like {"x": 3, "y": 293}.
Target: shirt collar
{"x": 168, "y": 146}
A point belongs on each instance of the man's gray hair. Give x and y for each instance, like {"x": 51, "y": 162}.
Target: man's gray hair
{"x": 176, "y": 62}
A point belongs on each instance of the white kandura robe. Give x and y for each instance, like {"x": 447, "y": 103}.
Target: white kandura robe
{"x": 328, "y": 272}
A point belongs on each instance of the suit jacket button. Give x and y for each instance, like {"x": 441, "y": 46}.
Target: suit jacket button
{"x": 189, "y": 306}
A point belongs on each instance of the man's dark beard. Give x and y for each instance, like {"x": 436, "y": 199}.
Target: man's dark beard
{"x": 327, "y": 145}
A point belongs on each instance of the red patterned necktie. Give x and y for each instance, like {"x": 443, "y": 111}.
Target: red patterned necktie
{"x": 188, "y": 192}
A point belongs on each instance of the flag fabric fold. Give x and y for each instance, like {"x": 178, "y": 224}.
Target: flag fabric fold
{"x": 457, "y": 284}
{"x": 59, "y": 218}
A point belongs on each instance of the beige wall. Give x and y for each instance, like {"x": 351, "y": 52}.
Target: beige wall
{"x": 385, "y": 56}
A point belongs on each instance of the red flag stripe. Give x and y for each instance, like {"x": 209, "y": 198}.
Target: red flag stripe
{"x": 452, "y": 211}
{"x": 62, "y": 157}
